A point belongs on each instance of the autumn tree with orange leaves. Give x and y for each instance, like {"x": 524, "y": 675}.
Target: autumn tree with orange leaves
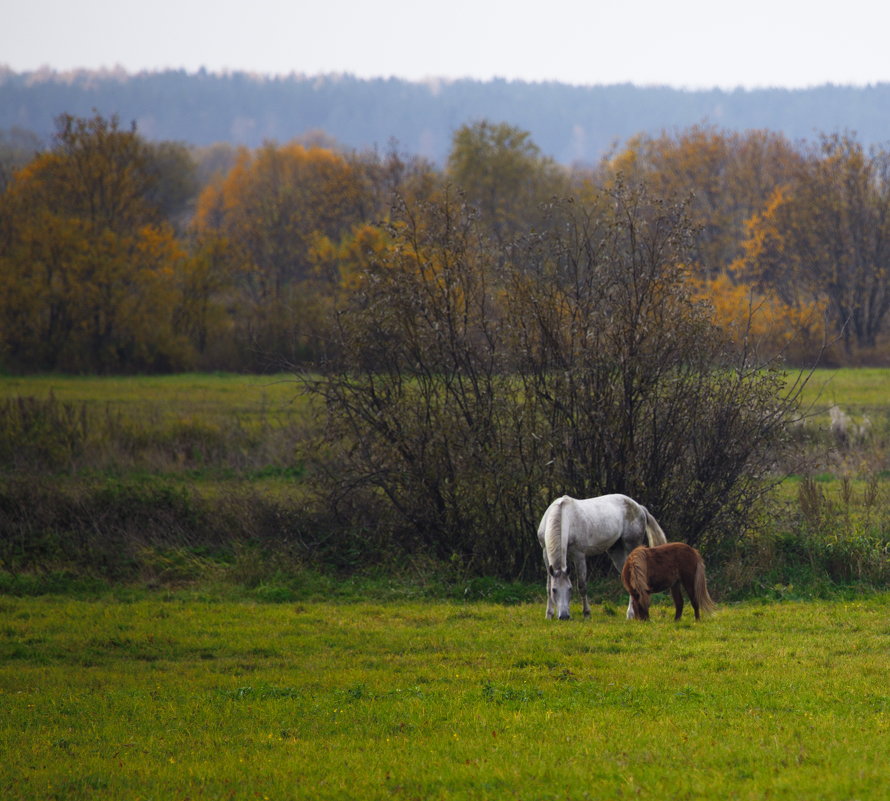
{"x": 825, "y": 238}
{"x": 107, "y": 264}
{"x": 88, "y": 262}
{"x": 263, "y": 219}
{"x": 724, "y": 175}
{"x": 729, "y": 180}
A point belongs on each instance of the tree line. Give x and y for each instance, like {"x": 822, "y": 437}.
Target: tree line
{"x": 573, "y": 124}
{"x": 118, "y": 254}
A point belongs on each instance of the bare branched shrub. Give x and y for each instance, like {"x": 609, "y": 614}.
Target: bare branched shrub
{"x": 635, "y": 390}
{"x": 422, "y": 437}
{"x": 476, "y": 383}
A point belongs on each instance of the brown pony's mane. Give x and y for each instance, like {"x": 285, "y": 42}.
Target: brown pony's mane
{"x": 662, "y": 568}
{"x": 638, "y": 571}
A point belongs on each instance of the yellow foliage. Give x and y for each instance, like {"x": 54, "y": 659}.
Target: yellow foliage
{"x": 724, "y": 177}
{"x": 88, "y": 277}
{"x": 765, "y": 236}
{"x": 760, "y": 320}
{"x": 279, "y": 211}
{"x": 348, "y": 262}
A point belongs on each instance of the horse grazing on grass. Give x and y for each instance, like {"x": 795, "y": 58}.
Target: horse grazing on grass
{"x": 665, "y": 567}
{"x": 613, "y": 524}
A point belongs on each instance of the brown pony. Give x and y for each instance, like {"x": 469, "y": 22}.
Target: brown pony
{"x": 662, "y": 568}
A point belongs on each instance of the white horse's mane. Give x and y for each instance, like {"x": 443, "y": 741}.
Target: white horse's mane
{"x": 556, "y": 535}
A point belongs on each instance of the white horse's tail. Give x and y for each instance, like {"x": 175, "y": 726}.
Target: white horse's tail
{"x": 653, "y": 531}
{"x": 556, "y": 535}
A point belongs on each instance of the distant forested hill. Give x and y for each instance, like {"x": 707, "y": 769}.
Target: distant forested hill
{"x": 569, "y": 123}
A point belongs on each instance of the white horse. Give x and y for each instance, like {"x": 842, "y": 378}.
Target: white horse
{"x": 613, "y": 524}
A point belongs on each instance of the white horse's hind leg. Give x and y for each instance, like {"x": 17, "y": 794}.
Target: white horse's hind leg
{"x": 618, "y": 553}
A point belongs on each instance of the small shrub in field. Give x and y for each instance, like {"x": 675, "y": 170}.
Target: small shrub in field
{"x": 169, "y": 566}
{"x": 49, "y": 434}
{"x": 844, "y": 538}
{"x": 40, "y": 433}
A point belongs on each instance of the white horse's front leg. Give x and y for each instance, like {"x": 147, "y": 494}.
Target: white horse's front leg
{"x": 581, "y": 573}
{"x": 550, "y": 607}
{"x": 630, "y": 609}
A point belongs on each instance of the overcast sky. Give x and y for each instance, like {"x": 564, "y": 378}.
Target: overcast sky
{"x": 682, "y": 43}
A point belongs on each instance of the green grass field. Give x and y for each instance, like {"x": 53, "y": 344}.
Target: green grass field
{"x": 178, "y": 394}
{"x": 204, "y": 430}
{"x": 231, "y": 392}
{"x": 858, "y": 388}
{"x": 181, "y": 698}
{"x": 195, "y": 690}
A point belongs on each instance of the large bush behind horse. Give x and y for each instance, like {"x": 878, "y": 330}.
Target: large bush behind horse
{"x": 470, "y": 384}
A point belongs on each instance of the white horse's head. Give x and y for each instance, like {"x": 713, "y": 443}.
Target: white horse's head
{"x": 560, "y": 591}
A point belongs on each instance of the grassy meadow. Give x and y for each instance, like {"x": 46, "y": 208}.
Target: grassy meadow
{"x": 210, "y": 425}
{"x": 171, "y": 479}
{"x": 204, "y": 672}
{"x": 171, "y": 397}
{"x": 207, "y": 431}
{"x": 181, "y": 697}
{"x": 200, "y": 427}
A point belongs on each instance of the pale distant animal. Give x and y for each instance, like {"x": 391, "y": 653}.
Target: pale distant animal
{"x": 844, "y": 429}
{"x": 666, "y": 567}
{"x": 840, "y": 425}
{"x": 612, "y": 524}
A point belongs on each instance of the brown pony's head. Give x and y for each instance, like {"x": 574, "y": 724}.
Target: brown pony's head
{"x": 640, "y": 602}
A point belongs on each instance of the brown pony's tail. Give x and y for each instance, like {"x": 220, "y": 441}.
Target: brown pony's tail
{"x": 705, "y": 602}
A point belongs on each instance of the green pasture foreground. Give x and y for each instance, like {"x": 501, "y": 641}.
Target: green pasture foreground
{"x": 186, "y": 699}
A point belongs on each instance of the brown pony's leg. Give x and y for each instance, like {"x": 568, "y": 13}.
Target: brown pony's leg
{"x": 689, "y": 584}
{"x": 678, "y": 600}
